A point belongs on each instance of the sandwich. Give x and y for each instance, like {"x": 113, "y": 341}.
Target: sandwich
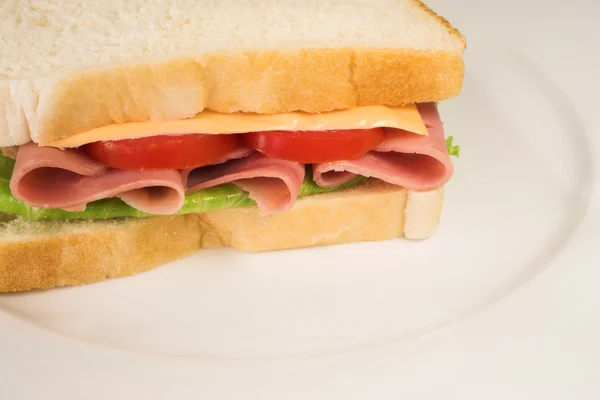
{"x": 136, "y": 133}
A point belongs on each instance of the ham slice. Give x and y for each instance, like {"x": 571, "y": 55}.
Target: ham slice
{"x": 413, "y": 161}
{"x": 51, "y": 178}
{"x": 272, "y": 183}
{"x": 241, "y": 152}
{"x": 48, "y": 177}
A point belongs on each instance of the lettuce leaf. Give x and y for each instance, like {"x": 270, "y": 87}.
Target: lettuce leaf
{"x": 6, "y": 167}
{"x": 452, "y": 150}
{"x": 219, "y": 197}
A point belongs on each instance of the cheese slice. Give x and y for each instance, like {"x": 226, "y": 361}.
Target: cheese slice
{"x": 208, "y": 122}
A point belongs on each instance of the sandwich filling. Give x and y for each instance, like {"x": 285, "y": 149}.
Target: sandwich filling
{"x": 219, "y": 161}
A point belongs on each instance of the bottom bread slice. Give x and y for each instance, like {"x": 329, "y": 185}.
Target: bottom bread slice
{"x": 42, "y": 255}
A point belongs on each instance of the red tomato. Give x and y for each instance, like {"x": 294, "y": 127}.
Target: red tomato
{"x": 163, "y": 152}
{"x": 315, "y": 146}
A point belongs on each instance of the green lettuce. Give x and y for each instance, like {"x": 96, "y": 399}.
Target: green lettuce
{"x": 6, "y": 167}
{"x": 452, "y": 150}
{"x": 215, "y": 198}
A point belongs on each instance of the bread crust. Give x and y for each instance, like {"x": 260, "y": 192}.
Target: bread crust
{"x": 64, "y": 254}
{"x": 451, "y": 29}
{"x": 46, "y": 109}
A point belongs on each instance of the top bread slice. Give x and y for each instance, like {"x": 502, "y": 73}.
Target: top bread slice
{"x": 67, "y": 67}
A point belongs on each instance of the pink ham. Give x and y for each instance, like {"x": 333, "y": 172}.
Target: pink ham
{"x": 51, "y": 178}
{"x": 240, "y": 152}
{"x": 272, "y": 183}
{"x": 406, "y": 159}
{"x": 47, "y": 177}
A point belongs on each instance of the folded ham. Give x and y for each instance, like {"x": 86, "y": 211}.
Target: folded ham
{"x": 415, "y": 162}
{"x": 68, "y": 179}
{"x": 47, "y": 177}
{"x": 272, "y": 183}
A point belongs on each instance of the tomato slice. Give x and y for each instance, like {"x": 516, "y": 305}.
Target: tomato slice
{"x": 315, "y": 146}
{"x": 164, "y": 152}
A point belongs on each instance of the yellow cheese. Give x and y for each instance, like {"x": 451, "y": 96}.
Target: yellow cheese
{"x": 405, "y": 117}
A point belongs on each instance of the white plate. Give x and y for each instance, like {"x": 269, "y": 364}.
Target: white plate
{"x": 521, "y": 192}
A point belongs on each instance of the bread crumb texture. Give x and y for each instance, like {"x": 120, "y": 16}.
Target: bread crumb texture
{"x": 68, "y": 67}
{"x": 42, "y": 37}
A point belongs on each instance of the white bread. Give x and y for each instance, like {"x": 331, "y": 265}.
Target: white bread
{"x": 41, "y": 255}
{"x": 67, "y": 67}
{"x": 70, "y": 66}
